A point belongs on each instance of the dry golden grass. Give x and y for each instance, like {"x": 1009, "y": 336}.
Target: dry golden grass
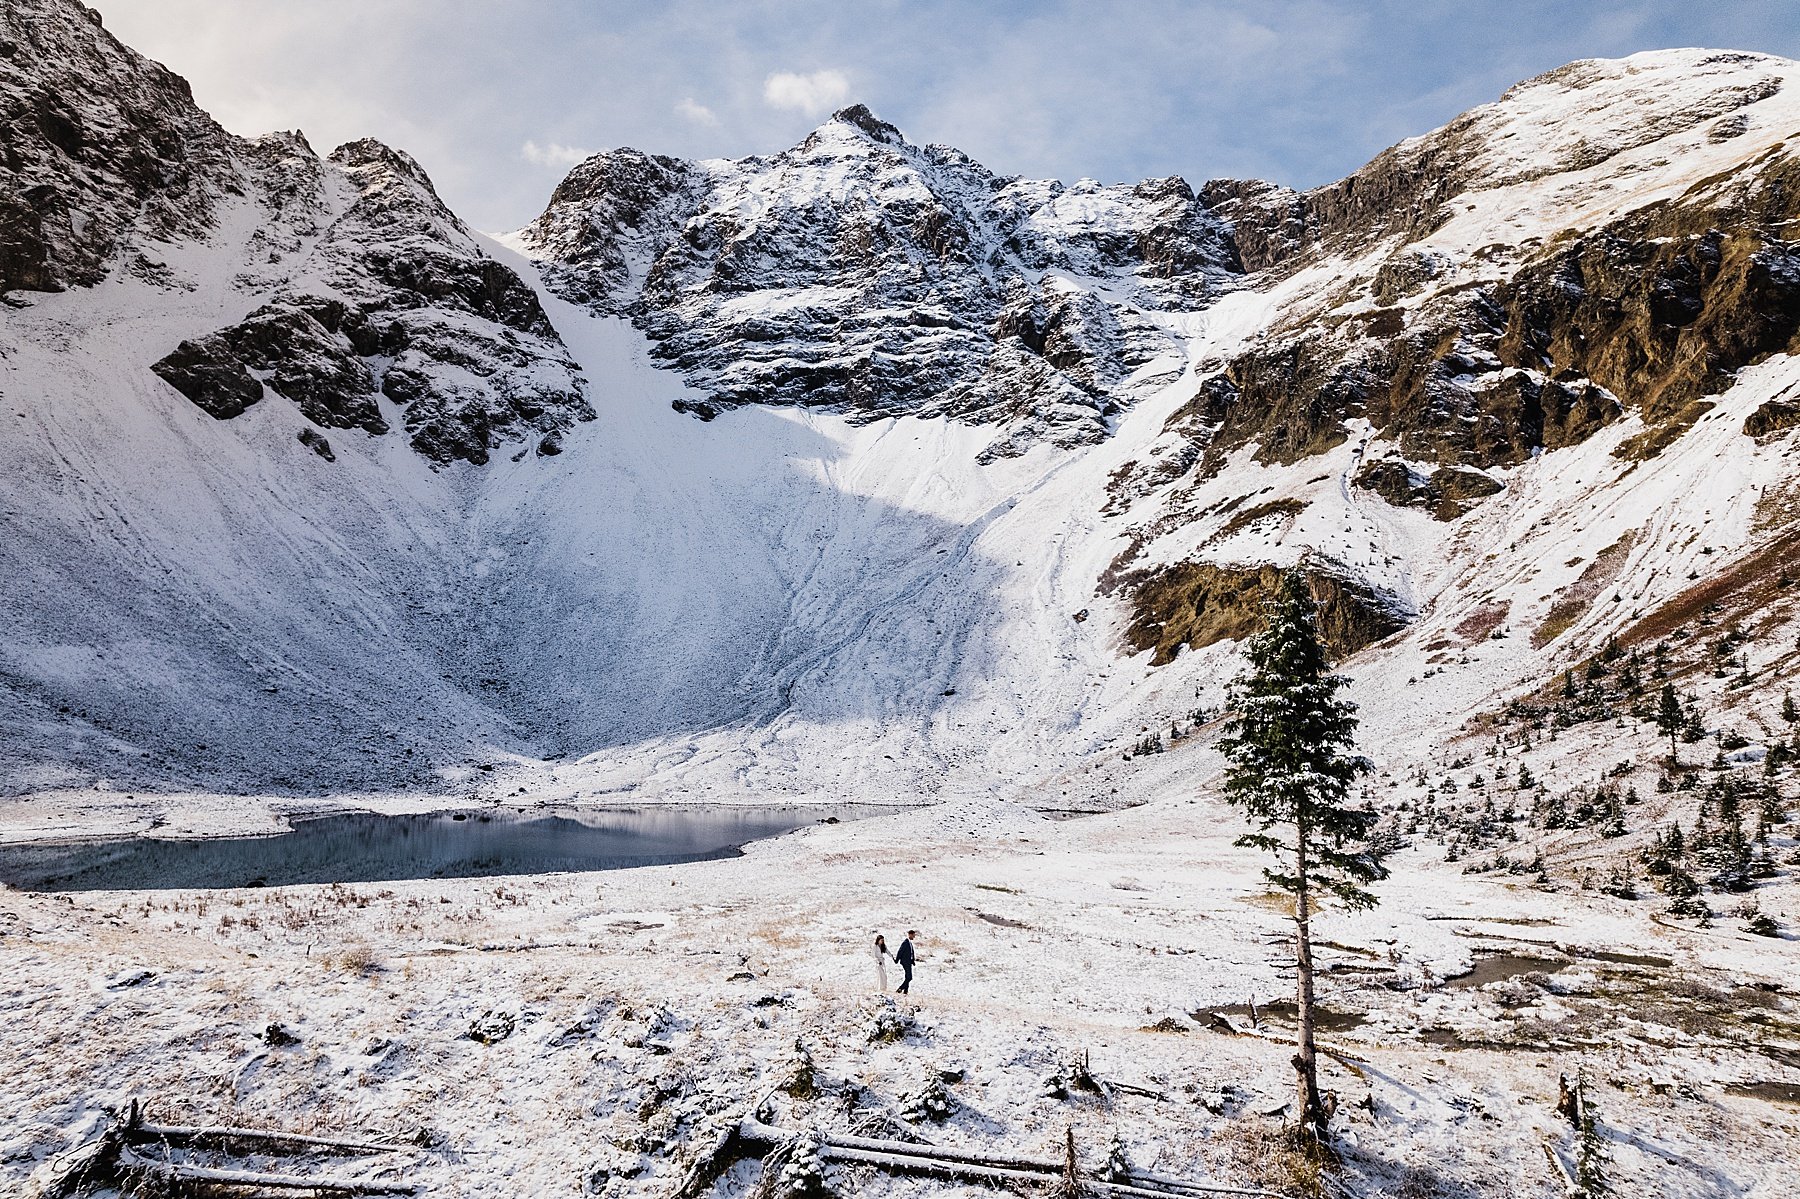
{"x": 1573, "y": 601}
{"x": 1279, "y": 902}
{"x": 1480, "y": 624}
{"x": 1268, "y": 1155}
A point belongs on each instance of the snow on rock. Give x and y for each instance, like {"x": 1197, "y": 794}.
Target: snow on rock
{"x": 396, "y": 300}
{"x": 860, "y": 273}
{"x": 353, "y": 280}
{"x": 994, "y": 472}
{"x": 104, "y": 148}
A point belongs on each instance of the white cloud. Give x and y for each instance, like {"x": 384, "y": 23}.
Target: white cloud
{"x": 696, "y": 112}
{"x": 552, "y": 154}
{"x": 811, "y": 94}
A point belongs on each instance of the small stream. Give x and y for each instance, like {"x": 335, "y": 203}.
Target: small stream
{"x": 367, "y": 847}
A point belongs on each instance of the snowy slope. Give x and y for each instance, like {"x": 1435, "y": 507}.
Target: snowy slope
{"x": 780, "y": 571}
{"x": 876, "y": 567}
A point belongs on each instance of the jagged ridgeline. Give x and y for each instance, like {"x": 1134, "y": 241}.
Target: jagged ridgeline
{"x": 359, "y": 284}
{"x": 861, "y": 273}
{"x": 1527, "y": 373}
{"x": 1606, "y": 241}
{"x": 1609, "y": 238}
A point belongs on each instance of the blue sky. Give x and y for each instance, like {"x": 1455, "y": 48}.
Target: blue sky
{"x": 498, "y": 97}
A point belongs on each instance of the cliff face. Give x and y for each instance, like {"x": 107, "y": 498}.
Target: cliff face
{"x": 357, "y": 284}
{"x": 1608, "y": 243}
{"x": 860, "y": 273}
{"x": 1197, "y": 604}
{"x": 396, "y": 301}
{"x": 1608, "y": 237}
{"x": 98, "y": 147}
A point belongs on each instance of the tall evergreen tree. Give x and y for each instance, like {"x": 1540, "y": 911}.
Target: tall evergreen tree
{"x": 1289, "y": 744}
{"x": 1669, "y": 716}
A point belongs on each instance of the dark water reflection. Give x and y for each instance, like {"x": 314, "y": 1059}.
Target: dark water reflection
{"x": 368, "y": 848}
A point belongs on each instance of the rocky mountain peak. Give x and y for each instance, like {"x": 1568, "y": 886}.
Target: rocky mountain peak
{"x": 377, "y": 167}
{"x": 851, "y": 134}
{"x": 396, "y": 301}
{"x": 861, "y": 273}
{"x": 596, "y": 234}
{"x": 858, "y": 116}
{"x": 96, "y": 143}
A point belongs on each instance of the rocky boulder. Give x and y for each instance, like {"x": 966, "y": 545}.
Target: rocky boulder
{"x": 1195, "y": 604}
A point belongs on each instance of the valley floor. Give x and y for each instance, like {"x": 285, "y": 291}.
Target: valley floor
{"x": 630, "y": 1011}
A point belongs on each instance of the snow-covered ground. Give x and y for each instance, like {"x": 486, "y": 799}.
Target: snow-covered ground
{"x": 785, "y": 605}
{"x": 644, "y": 1001}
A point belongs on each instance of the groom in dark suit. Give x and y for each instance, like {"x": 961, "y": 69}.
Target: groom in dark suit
{"x": 905, "y": 958}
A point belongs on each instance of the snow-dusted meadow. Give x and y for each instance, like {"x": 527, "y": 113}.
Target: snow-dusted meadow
{"x": 641, "y": 1002}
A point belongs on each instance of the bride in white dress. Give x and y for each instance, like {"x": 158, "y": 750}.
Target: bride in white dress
{"x": 881, "y": 960}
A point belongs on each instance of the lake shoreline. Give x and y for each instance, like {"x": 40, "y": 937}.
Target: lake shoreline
{"x": 497, "y": 841}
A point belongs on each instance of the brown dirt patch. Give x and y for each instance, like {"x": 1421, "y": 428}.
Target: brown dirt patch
{"x": 1480, "y": 624}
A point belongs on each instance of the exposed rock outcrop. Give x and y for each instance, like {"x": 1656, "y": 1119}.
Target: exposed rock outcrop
{"x": 1773, "y": 418}
{"x": 1474, "y": 354}
{"x": 395, "y": 300}
{"x": 1195, "y": 604}
{"x": 98, "y": 146}
{"x": 359, "y": 282}
{"x": 860, "y": 273}
{"x": 1446, "y": 492}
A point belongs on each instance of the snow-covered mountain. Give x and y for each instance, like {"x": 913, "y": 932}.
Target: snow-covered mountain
{"x": 856, "y": 468}
{"x": 350, "y": 277}
{"x": 861, "y": 274}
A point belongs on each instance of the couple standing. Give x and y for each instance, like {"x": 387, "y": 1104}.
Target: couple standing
{"x": 904, "y": 956}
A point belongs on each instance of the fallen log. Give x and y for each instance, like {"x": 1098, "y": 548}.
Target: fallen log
{"x": 910, "y": 1164}
{"x": 1175, "y": 1182}
{"x": 222, "y": 1135}
{"x": 1120, "y": 1188}
{"x": 1562, "y": 1169}
{"x": 983, "y": 1164}
{"x": 729, "y": 1144}
{"x": 768, "y": 1134}
{"x": 174, "y": 1173}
